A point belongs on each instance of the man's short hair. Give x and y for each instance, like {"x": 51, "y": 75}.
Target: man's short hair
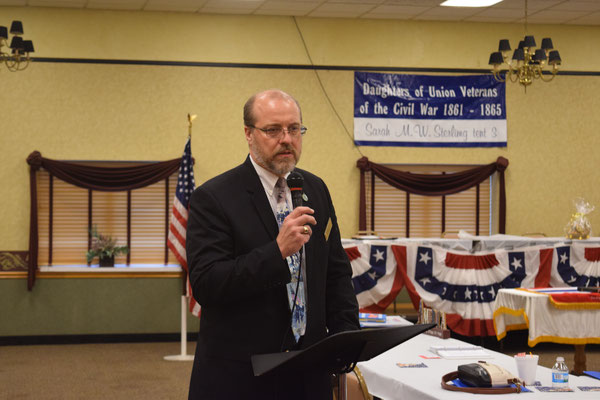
{"x": 249, "y": 117}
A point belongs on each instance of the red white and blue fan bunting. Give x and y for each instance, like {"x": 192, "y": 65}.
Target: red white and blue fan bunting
{"x": 464, "y": 284}
{"x": 375, "y": 277}
{"x": 576, "y": 265}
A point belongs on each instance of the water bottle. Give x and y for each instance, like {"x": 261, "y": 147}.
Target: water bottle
{"x": 560, "y": 374}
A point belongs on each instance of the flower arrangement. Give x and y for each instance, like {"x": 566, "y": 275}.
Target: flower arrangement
{"x": 105, "y": 248}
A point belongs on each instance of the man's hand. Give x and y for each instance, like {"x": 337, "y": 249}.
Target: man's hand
{"x": 295, "y": 230}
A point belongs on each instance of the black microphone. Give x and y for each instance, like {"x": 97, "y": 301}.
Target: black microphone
{"x": 295, "y": 181}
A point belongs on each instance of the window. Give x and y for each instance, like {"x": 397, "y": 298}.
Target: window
{"x": 393, "y": 212}
{"x": 137, "y": 218}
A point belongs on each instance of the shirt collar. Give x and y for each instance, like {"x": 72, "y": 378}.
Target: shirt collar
{"x": 267, "y": 178}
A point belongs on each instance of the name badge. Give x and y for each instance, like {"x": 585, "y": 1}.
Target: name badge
{"x": 328, "y": 229}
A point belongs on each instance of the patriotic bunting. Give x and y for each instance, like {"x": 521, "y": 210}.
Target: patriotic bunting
{"x": 576, "y": 265}
{"x": 375, "y": 277}
{"x": 464, "y": 284}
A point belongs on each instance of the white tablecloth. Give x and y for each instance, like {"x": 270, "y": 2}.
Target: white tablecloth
{"x": 521, "y": 309}
{"x": 389, "y": 382}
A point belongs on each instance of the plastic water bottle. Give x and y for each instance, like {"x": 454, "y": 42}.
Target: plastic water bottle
{"x": 560, "y": 374}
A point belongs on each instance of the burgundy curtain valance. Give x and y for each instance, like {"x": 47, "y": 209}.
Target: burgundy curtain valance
{"x": 111, "y": 179}
{"x": 108, "y": 179}
{"x": 433, "y": 185}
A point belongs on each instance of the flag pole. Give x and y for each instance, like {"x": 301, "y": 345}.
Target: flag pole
{"x": 183, "y": 356}
{"x": 191, "y": 119}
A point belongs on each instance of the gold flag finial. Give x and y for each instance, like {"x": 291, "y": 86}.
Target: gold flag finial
{"x": 191, "y": 118}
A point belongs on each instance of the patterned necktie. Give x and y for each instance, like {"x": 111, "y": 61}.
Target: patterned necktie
{"x": 299, "y": 315}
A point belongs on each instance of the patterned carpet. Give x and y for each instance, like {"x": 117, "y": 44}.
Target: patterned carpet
{"x": 94, "y": 371}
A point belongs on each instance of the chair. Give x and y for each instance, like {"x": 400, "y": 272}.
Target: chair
{"x": 356, "y": 387}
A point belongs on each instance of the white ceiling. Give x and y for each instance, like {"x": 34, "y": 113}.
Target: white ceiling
{"x": 572, "y": 12}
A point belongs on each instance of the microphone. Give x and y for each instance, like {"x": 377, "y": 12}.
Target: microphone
{"x": 295, "y": 181}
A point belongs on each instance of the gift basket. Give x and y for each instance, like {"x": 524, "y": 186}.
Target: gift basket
{"x": 579, "y": 226}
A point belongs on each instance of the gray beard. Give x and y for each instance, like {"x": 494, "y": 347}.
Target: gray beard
{"x": 278, "y": 168}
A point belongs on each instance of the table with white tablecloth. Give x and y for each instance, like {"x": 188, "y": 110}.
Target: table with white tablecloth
{"x": 533, "y": 310}
{"x": 389, "y": 382}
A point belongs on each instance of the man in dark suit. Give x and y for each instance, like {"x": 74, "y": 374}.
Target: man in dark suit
{"x": 239, "y": 271}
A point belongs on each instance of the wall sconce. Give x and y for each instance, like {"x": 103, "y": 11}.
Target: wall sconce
{"x": 16, "y": 56}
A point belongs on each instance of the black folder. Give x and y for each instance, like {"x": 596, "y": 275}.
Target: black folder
{"x": 337, "y": 353}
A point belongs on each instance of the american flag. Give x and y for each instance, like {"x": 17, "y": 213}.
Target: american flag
{"x": 179, "y": 218}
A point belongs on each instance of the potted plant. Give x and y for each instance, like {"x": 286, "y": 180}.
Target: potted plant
{"x": 105, "y": 248}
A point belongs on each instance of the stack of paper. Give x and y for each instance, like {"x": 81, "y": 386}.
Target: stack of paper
{"x": 467, "y": 351}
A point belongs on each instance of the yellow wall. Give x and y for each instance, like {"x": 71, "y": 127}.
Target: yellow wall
{"x": 99, "y": 111}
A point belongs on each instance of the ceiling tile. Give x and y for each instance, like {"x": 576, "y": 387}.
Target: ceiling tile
{"x": 532, "y": 5}
{"x": 174, "y": 5}
{"x": 508, "y": 11}
{"x": 356, "y": 1}
{"x": 429, "y": 3}
{"x": 217, "y": 10}
{"x": 495, "y": 20}
{"x": 554, "y": 17}
{"x": 341, "y": 7}
{"x": 57, "y": 3}
{"x": 10, "y": 3}
{"x": 451, "y": 12}
{"x": 341, "y": 10}
{"x": 233, "y": 4}
{"x": 116, "y": 4}
{"x": 285, "y": 13}
{"x": 589, "y": 19}
{"x": 577, "y": 6}
{"x": 403, "y": 12}
{"x": 287, "y": 6}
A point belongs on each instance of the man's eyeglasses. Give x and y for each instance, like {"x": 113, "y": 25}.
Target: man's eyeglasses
{"x": 275, "y": 132}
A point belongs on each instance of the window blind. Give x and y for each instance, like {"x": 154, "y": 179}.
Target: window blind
{"x": 393, "y": 212}
{"x": 138, "y": 219}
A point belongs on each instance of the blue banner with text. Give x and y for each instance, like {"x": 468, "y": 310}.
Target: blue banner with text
{"x": 429, "y": 110}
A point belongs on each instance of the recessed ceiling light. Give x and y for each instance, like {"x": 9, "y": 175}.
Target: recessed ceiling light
{"x": 469, "y": 3}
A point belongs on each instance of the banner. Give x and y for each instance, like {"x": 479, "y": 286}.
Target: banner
{"x": 429, "y": 111}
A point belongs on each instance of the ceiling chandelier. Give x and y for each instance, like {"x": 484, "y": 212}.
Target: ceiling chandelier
{"x": 16, "y": 55}
{"x": 527, "y": 63}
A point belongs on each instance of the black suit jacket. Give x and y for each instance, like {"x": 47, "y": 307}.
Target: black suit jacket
{"x": 239, "y": 277}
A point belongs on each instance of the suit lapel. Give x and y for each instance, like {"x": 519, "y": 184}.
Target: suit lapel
{"x": 308, "y": 247}
{"x": 256, "y": 192}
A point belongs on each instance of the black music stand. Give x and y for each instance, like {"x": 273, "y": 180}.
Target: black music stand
{"x": 337, "y": 354}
